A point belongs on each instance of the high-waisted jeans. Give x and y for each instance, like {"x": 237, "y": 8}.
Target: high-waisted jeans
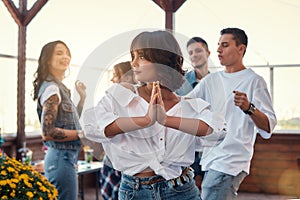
{"x": 59, "y": 166}
{"x": 132, "y": 187}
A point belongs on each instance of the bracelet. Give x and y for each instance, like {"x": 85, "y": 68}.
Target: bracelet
{"x": 80, "y": 134}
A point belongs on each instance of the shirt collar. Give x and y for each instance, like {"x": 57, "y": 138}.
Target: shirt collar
{"x": 122, "y": 94}
{"x": 197, "y": 104}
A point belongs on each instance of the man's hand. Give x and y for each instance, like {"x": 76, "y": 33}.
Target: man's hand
{"x": 241, "y": 100}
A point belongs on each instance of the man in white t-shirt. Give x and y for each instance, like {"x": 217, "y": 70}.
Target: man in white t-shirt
{"x": 243, "y": 98}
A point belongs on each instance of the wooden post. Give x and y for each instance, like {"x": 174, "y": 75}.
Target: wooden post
{"x": 170, "y": 7}
{"x": 22, "y": 17}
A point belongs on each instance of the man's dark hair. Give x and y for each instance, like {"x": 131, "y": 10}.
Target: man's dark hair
{"x": 197, "y": 39}
{"x": 239, "y": 36}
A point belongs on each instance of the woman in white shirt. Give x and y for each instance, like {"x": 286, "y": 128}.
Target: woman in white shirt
{"x": 109, "y": 177}
{"x": 148, "y": 132}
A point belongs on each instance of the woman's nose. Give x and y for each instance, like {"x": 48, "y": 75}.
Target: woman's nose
{"x": 134, "y": 63}
{"x": 66, "y": 56}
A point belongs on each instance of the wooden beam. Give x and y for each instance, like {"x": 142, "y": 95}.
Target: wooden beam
{"x": 22, "y": 17}
{"x": 169, "y": 20}
{"x": 160, "y": 3}
{"x": 34, "y": 10}
{"x": 21, "y": 137}
{"x": 177, "y": 4}
{"x": 169, "y": 5}
{"x": 13, "y": 10}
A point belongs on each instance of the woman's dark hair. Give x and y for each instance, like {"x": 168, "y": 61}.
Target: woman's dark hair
{"x": 43, "y": 67}
{"x": 162, "y": 49}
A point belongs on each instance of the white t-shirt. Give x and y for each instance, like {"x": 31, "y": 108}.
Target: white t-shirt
{"x": 48, "y": 92}
{"x": 164, "y": 150}
{"x": 234, "y": 153}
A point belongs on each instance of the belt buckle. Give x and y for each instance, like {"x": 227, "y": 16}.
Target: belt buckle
{"x": 185, "y": 177}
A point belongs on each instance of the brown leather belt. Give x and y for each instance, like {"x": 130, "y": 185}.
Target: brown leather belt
{"x": 145, "y": 174}
{"x": 159, "y": 179}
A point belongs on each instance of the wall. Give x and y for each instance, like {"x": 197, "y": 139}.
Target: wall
{"x": 33, "y": 142}
{"x": 274, "y": 168}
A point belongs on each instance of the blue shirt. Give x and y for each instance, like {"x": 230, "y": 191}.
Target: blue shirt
{"x": 190, "y": 82}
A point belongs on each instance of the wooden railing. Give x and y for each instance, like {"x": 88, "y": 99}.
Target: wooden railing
{"x": 275, "y": 167}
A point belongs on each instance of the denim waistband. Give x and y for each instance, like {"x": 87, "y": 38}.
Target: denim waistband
{"x": 73, "y": 145}
{"x": 185, "y": 177}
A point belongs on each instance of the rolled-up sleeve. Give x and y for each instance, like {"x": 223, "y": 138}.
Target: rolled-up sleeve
{"x": 213, "y": 119}
{"x": 262, "y": 101}
{"x": 217, "y": 122}
{"x": 97, "y": 118}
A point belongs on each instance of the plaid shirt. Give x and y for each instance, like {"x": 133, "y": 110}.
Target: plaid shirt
{"x": 109, "y": 181}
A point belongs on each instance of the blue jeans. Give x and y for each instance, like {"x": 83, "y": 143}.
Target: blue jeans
{"x": 132, "y": 188}
{"x": 59, "y": 166}
{"x": 220, "y": 186}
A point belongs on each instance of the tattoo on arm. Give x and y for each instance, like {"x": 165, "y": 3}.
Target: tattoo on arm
{"x": 49, "y": 116}
{"x": 58, "y": 134}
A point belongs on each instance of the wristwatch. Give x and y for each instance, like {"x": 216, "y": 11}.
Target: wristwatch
{"x": 251, "y": 109}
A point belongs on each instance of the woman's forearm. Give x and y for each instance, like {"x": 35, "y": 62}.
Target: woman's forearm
{"x": 80, "y": 106}
{"x": 187, "y": 125}
{"x": 126, "y": 124}
{"x": 60, "y": 135}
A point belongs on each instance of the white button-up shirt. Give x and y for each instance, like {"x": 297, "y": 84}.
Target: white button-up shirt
{"x": 164, "y": 150}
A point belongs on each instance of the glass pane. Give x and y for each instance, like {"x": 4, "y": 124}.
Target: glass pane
{"x": 286, "y": 97}
{"x": 8, "y": 92}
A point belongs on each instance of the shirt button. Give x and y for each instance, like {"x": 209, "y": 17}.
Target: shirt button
{"x": 160, "y": 139}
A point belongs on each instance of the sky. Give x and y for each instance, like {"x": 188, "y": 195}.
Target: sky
{"x": 272, "y": 27}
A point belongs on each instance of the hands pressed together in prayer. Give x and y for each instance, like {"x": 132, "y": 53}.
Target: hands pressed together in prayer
{"x": 156, "y": 110}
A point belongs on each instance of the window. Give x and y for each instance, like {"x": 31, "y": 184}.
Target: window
{"x": 285, "y": 83}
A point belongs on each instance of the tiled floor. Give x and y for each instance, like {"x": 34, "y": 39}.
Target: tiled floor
{"x": 90, "y": 195}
